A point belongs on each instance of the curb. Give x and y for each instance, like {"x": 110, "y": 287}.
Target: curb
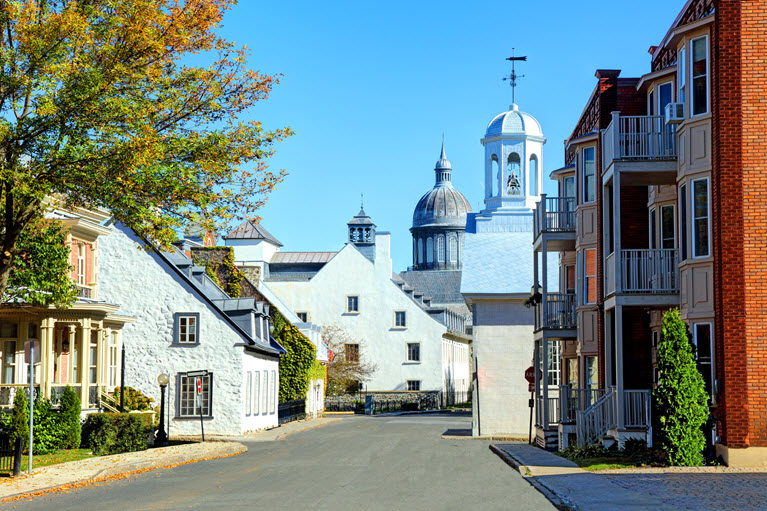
{"x": 493, "y": 438}
{"x": 130, "y": 468}
{"x": 558, "y": 502}
{"x": 307, "y": 428}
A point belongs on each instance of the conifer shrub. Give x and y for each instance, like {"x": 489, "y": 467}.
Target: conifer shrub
{"x": 115, "y": 433}
{"x": 70, "y": 428}
{"x": 19, "y": 420}
{"x": 681, "y": 400}
{"x": 46, "y": 436}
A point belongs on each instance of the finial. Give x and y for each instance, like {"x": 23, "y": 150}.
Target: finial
{"x": 442, "y": 155}
{"x": 513, "y": 77}
{"x": 362, "y": 201}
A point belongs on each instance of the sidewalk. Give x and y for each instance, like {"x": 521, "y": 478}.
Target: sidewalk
{"x": 693, "y": 488}
{"x": 92, "y": 470}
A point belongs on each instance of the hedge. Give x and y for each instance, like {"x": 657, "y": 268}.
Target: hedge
{"x": 114, "y": 433}
{"x": 297, "y": 363}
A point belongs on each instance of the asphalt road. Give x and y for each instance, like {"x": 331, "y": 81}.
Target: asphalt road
{"x": 359, "y": 463}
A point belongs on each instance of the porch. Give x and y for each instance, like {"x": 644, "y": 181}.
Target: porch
{"x": 554, "y": 219}
{"x": 81, "y": 349}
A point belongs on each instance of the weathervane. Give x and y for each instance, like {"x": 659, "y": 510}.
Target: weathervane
{"x": 513, "y": 77}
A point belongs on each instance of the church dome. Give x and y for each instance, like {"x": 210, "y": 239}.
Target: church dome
{"x": 443, "y": 205}
{"x": 514, "y": 122}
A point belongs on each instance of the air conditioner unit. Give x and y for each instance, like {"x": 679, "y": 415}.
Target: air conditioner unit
{"x": 674, "y": 113}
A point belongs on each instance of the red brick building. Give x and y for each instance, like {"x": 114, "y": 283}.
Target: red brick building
{"x": 663, "y": 203}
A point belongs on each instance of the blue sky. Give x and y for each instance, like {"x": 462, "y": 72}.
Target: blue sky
{"x": 370, "y": 87}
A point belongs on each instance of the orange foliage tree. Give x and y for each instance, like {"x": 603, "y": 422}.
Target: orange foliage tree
{"x": 105, "y": 105}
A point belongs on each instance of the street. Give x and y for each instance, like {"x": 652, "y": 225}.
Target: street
{"x": 364, "y": 463}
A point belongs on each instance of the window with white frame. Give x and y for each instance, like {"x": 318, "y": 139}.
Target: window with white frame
{"x": 81, "y": 278}
{"x": 265, "y": 394}
{"x": 683, "y": 222}
{"x": 303, "y": 317}
{"x": 553, "y": 364}
{"x": 186, "y": 328}
{"x": 256, "y": 392}
{"x": 420, "y": 251}
{"x": 441, "y": 249}
{"x": 414, "y": 352}
{"x": 700, "y": 214}
{"x": 273, "y": 398}
{"x": 429, "y": 250}
{"x": 705, "y": 348}
{"x": 589, "y": 180}
{"x": 592, "y": 373}
{"x": 699, "y": 69}
{"x": 590, "y": 276}
{"x": 653, "y": 230}
{"x": 9, "y": 362}
{"x": 413, "y": 385}
{"x": 114, "y": 360}
{"x": 352, "y": 304}
{"x": 681, "y": 94}
{"x": 187, "y": 389}
{"x": 400, "y": 319}
{"x": 248, "y": 390}
{"x": 667, "y": 227}
{"x": 93, "y": 357}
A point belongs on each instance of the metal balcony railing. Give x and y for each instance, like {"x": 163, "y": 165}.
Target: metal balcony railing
{"x": 649, "y": 271}
{"x": 638, "y": 137}
{"x": 557, "y": 312}
{"x": 554, "y": 214}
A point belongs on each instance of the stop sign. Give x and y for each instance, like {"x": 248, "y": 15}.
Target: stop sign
{"x": 530, "y": 374}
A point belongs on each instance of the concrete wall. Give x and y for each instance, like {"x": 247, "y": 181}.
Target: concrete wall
{"x": 147, "y": 289}
{"x": 503, "y": 349}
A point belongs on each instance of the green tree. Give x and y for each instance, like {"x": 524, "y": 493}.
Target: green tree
{"x": 297, "y": 364}
{"x": 680, "y": 398}
{"x": 19, "y": 424}
{"x": 347, "y": 368}
{"x": 70, "y": 430}
{"x": 138, "y": 107}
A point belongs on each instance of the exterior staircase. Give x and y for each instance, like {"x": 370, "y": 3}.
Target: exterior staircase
{"x": 593, "y": 423}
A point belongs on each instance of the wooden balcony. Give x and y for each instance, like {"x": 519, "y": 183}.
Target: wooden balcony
{"x": 643, "y": 147}
{"x": 558, "y": 313}
{"x": 554, "y": 219}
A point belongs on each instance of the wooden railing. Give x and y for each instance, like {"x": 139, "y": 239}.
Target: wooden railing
{"x": 636, "y": 409}
{"x": 638, "y": 137}
{"x": 457, "y": 323}
{"x": 574, "y": 400}
{"x": 649, "y": 271}
{"x": 554, "y": 214}
{"x": 553, "y": 409}
{"x": 595, "y": 421}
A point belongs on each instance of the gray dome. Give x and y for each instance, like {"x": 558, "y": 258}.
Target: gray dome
{"x": 514, "y": 122}
{"x": 442, "y": 206}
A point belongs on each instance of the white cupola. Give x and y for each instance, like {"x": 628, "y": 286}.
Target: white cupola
{"x": 513, "y": 145}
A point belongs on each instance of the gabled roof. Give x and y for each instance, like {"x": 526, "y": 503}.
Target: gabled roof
{"x": 250, "y": 231}
{"x": 302, "y": 257}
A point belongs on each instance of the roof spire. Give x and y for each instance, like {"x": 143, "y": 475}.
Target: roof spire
{"x": 443, "y": 167}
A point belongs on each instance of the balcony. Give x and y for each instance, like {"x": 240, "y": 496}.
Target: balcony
{"x": 84, "y": 292}
{"x": 645, "y": 271}
{"x": 558, "y": 313}
{"x": 555, "y": 218}
{"x": 640, "y": 144}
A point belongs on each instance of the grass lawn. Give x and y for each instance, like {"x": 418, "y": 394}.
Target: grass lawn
{"x": 608, "y": 462}
{"x": 55, "y": 458}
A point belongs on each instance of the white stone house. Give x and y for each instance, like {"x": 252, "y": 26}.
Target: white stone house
{"x": 354, "y": 288}
{"x": 184, "y": 324}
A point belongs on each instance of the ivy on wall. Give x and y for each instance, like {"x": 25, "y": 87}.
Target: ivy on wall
{"x": 224, "y": 273}
{"x": 298, "y": 365}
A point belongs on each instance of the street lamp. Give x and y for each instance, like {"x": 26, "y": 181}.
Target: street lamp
{"x": 162, "y": 437}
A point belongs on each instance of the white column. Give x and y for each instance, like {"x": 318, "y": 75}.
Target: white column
{"x": 609, "y": 360}
{"x": 619, "y": 362}
{"x": 84, "y": 342}
{"x": 616, "y": 224}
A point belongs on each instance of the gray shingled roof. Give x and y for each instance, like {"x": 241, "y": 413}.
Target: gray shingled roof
{"x": 301, "y": 257}
{"x": 250, "y": 231}
{"x": 443, "y": 286}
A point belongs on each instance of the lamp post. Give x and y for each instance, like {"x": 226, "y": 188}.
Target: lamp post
{"x": 162, "y": 437}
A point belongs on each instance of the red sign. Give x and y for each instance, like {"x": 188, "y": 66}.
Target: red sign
{"x": 530, "y": 375}
{"x": 531, "y": 387}
{"x": 199, "y": 386}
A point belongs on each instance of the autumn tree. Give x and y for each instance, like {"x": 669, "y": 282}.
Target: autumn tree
{"x": 134, "y": 106}
{"x": 348, "y": 364}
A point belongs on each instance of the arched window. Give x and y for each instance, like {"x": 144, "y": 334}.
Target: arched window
{"x": 514, "y": 179}
{"x": 420, "y": 251}
{"x": 533, "y": 175}
{"x": 453, "y": 250}
{"x": 495, "y": 176}
{"x": 429, "y": 250}
{"x": 441, "y": 249}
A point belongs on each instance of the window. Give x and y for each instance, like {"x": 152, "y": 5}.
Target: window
{"x": 651, "y": 103}
{"x": 700, "y": 215}
{"x": 681, "y": 94}
{"x": 592, "y": 375}
{"x": 114, "y": 361}
{"x": 303, "y": 317}
{"x": 514, "y": 176}
{"x": 570, "y": 278}
{"x": 256, "y": 392}
{"x": 441, "y": 249}
{"x": 590, "y": 276}
{"x": 9, "y": 330}
{"x": 414, "y": 352}
{"x": 699, "y": 68}
{"x": 352, "y": 352}
{"x": 704, "y": 345}
{"x": 414, "y": 385}
{"x": 683, "y": 221}
{"x": 31, "y": 331}
{"x": 569, "y": 187}
{"x": 248, "y": 390}
{"x": 429, "y": 250}
{"x": 273, "y": 399}
{"x": 553, "y": 364}
{"x": 9, "y": 362}
{"x": 187, "y": 386}
{"x": 93, "y": 356}
{"x": 534, "y": 175}
{"x": 665, "y": 91}
{"x": 589, "y": 181}
{"x": 495, "y": 176}
{"x": 81, "y": 263}
{"x": 653, "y": 230}
{"x": 420, "y": 251}
{"x": 352, "y": 304}
{"x": 453, "y": 250}
{"x": 572, "y": 372}
{"x": 400, "y": 319}
{"x": 265, "y": 394}
{"x": 667, "y": 233}
{"x": 186, "y": 326}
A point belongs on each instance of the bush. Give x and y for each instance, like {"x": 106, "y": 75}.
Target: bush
{"x": 70, "y": 428}
{"x": 46, "y": 432}
{"x": 134, "y": 399}
{"x": 680, "y": 398}
{"x": 114, "y": 433}
{"x": 590, "y": 451}
{"x": 19, "y": 421}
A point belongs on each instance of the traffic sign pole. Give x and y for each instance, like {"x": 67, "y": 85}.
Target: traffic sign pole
{"x": 199, "y": 403}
